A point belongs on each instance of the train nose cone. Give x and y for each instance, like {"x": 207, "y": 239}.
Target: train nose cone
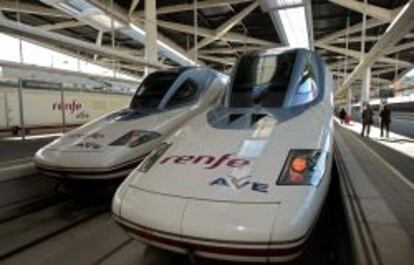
{"x": 209, "y": 228}
{"x": 147, "y": 209}
{"x": 229, "y": 221}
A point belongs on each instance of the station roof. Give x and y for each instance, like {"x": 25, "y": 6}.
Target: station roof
{"x": 330, "y": 19}
{"x": 256, "y": 29}
{"x": 256, "y": 26}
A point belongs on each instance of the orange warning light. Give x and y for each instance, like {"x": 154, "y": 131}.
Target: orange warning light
{"x": 299, "y": 164}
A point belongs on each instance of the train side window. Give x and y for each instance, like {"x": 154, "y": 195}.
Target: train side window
{"x": 187, "y": 92}
{"x": 307, "y": 89}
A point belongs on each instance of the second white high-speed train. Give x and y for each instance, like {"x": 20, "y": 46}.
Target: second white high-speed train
{"x": 113, "y": 145}
{"x": 246, "y": 180}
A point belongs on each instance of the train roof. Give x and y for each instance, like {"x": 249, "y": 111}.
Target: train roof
{"x": 182, "y": 69}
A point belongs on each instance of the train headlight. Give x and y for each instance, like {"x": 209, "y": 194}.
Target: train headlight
{"x": 135, "y": 138}
{"x": 303, "y": 167}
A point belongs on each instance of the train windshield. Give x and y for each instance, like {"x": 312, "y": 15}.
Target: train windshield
{"x": 153, "y": 89}
{"x": 262, "y": 80}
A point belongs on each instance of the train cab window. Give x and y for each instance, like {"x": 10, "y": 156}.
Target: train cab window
{"x": 187, "y": 92}
{"x": 262, "y": 80}
{"x": 153, "y": 89}
{"x": 307, "y": 90}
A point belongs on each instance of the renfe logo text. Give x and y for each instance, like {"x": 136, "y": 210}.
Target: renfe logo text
{"x": 71, "y": 106}
{"x": 210, "y": 162}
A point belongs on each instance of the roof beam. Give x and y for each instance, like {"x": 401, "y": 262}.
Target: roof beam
{"x": 134, "y": 4}
{"x": 383, "y": 71}
{"x": 376, "y": 79}
{"x": 399, "y": 27}
{"x": 120, "y": 65}
{"x": 340, "y": 63}
{"x": 225, "y": 61}
{"x": 357, "y": 54}
{"x": 371, "y": 23}
{"x": 355, "y": 39}
{"x": 367, "y": 38}
{"x": 399, "y": 48}
{"x": 190, "y": 7}
{"x": 230, "y": 50}
{"x": 227, "y": 26}
{"x": 128, "y": 50}
{"x": 62, "y": 25}
{"x": 369, "y": 9}
{"x": 11, "y": 6}
{"x": 229, "y": 36}
{"x": 26, "y": 30}
{"x": 354, "y": 62}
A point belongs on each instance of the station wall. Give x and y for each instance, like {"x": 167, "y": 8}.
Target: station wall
{"x": 43, "y": 107}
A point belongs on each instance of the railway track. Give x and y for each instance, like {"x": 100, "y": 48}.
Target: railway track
{"x": 29, "y": 229}
{"x": 26, "y": 206}
{"x": 49, "y": 227}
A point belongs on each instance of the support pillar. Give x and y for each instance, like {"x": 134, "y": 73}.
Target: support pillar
{"x": 195, "y": 31}
{"x": 366, "y": 79}
{"x": 366, "y": 84}
{"x": 151, "y": 50}
{"x": 21, "y": 109}
{"x": 62, "y": 104}
{"x": 349, "y": 103}
{"x": 98, "y": 42}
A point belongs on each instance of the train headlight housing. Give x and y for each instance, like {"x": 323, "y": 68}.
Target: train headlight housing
{"x": 303, "y": 167}
{"x": 135, "y": 138}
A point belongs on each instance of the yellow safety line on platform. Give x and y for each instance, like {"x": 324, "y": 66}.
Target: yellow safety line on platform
{"x": 385, "y": 162}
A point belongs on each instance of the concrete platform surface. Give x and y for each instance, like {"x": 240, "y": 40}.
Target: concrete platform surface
{"x": 379, "y": 200}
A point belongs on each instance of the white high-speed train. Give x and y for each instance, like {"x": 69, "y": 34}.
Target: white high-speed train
{"x": 113, "y": 145}
{"x": 245, "y": 180}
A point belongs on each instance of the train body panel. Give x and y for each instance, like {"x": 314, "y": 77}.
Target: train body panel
{"x": 43, "y": 107}
{"x": 113, "y": 145}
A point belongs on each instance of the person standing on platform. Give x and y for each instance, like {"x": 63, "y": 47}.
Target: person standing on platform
{"x": 385, "y": 115}
{"x": 367, "y": 120}
{"x": 342, "y": 115}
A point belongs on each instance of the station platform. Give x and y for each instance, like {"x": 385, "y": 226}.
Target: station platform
{"x": 368, "y": 218}
{"x": 377, "y": 186}
{"x": 15, "y": 148}
{"x": 16, "y": 155}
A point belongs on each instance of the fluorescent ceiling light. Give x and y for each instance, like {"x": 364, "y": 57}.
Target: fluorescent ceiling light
{"x": 71, "y": 9}
{"x": 105, "y": 21}
{"x": 295, "y": 27}
{"x": 137, "y": 29}
{"x": 281, "y": 4}
{"x": 163, "y": 47}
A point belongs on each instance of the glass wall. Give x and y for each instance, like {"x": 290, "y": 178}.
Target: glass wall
{"x": 41, "y": 56}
